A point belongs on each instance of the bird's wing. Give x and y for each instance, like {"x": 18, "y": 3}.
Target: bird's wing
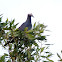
{"x": 22, "y": 27}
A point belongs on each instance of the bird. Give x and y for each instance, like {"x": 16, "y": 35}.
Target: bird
{"x": 27, "y": 24}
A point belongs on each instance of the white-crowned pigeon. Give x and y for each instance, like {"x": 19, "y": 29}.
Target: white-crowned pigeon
{"x": 27, "y": 23}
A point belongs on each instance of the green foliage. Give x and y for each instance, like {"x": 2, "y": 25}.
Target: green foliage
{"x": 59, "y": 56}
{"x": 2, "y": 58}
{"x": 24, "y": 45}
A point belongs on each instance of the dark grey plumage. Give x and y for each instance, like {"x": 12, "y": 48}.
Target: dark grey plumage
{"x": 27, "y": 23}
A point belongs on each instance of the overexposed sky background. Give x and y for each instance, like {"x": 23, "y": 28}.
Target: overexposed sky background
{"x": 48, "y": 12}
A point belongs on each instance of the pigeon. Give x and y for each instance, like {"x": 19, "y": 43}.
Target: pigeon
{"x": 27, "y": 24}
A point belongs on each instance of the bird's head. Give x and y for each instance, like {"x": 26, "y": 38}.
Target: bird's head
{"x": 30, "y": 15}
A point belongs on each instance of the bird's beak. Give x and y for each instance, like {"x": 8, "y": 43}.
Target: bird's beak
{"x": 32, "y": 16}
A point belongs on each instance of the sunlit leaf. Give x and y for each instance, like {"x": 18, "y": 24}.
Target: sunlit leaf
{"x": 26, "y": 29}
{"x": 12, "y": 22}
{"x": 41, "y": 31}
{"x": 7, "y": 20}
{"x": 49, "y": 55}
{"x": 42, "y": 49}
{"x": 30, "y": 36}
{"x": 34, "y": 25}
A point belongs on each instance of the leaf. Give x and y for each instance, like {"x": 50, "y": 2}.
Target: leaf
{"x": 0, "y": 19}
{"x": 3, "y": 24}
{"x": 29, "y": 54}
{"x": 43, "y": 26}
{"x": 58, "y": 55}
{"x": 30, "y": 36}
{"x": 38, "y": 49}
{"x": 32, "y": 50}
{"x": 41, "y": 38}
{"x": 12, "y": 22}
{"x": 15, "y": 25}
{"x": 5, "y": 54}
{"x": 37, "y": 27}
{"x": 34, "y": 25}
{"x": 9, "y": 60}
{"x": 35, "y": 44}
{"x": 50, "y": 60}
{"x": 32, "y": 58}
{"x": 49, "y": 55}
{"x": 42, "y": 49}
{"x": 60, "y": 60}
{"x": 3, "y": 58}
{"x": 10, "y": 25}
{"x": 26, "y": 29}
{"x": 47, "y": 52}
{"x": 29, "y": 31}
{"x": 6, "y": 28}
{"x": 43, "y": 56}
{"x": 0, "y": 60}
{"x": 41, "y": 31}
{"x": 7, "y": 20}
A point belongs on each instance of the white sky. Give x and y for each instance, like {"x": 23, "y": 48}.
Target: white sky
{"x": 48, "y": 12}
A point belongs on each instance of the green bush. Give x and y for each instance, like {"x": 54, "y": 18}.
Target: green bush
{"x": 24, "y": 45}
